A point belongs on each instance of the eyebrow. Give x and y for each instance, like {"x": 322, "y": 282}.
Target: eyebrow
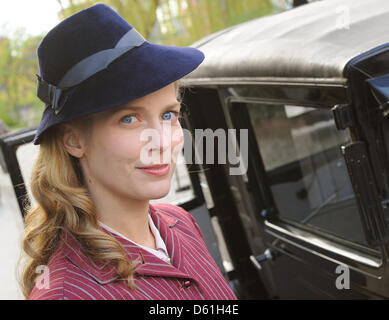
{"x": 135, "y": 108}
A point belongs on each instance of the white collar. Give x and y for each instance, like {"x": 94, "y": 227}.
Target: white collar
{"x": 161, "y": 251}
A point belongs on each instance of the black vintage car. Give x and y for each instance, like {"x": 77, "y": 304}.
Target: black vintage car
{"x": 307, "y": 93}
{"x": 311, "y": 85}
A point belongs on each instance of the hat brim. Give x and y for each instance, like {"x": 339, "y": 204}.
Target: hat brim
{"x": 135, "y": 74}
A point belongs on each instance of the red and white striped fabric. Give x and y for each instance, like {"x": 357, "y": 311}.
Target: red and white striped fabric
{"x": 192, "y": 273}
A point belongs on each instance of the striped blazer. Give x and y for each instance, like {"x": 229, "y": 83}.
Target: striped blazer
{"x": 191, "y": 274}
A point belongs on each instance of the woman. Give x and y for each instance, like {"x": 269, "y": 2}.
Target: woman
{"x": 108, "y": 141}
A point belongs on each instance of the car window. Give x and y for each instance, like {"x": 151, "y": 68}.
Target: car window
{"x": 26, "y": 155}
{"x": 11, "y": 227}
{"x": 306, "y": 171}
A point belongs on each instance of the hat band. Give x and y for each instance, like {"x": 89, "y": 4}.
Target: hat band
{"x": 86, "y": 68}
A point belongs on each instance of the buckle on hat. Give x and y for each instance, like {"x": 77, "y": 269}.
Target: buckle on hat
{"x": 50, "y": 95}
{"x": 55, "y": 97}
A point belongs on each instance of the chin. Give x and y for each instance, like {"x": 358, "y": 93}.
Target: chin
{"x": 157, "y": 190}
{"x": 155, "y": 196}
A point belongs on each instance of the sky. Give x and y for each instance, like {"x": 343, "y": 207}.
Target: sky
{"x": 35, "y": 16}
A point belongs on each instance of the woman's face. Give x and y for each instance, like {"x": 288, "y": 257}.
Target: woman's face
{"x": 133, "y": 148}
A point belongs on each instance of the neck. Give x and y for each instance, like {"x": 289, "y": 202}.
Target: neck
{"x": 127, "y": 216}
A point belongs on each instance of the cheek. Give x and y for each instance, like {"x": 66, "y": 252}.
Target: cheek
{"x": 123, "y": 147}
{"x": 177, "y": 142}
{"x": 177, "y": 136}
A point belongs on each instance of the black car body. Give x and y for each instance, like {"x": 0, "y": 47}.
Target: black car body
{"x": 311, "y": 85}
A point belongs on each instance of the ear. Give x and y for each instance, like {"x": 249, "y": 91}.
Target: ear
{"x": 72, "y": 141}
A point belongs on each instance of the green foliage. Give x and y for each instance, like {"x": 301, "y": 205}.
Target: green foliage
{"x": 171, "y": 22}
{"x": 18, "y": 65}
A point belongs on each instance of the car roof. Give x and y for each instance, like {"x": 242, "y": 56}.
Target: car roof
{"x": 312, "y": 41}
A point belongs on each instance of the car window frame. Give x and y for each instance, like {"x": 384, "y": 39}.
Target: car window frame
{"x": 279, "y": 222}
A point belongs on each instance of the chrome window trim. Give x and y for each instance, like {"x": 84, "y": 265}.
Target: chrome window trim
{"x": 309, "y": 238}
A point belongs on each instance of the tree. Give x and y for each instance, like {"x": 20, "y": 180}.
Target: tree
{"x": 141, "y": 14}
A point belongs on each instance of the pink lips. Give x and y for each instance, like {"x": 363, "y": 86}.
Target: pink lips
{"x": 156, "y": 170}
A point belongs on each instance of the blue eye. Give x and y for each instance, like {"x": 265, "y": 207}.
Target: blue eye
{"x": 132, "y": 118}
{"x": 168, "y": 115}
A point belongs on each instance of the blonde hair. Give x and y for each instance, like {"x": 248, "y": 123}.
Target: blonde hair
{"x": 63, "y": 201}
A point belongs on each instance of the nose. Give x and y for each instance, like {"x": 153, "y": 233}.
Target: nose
{"x": 163, "y": 132}
{"x": 157, "y": 138}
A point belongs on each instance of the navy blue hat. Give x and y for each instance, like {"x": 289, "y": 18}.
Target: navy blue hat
{"x": 94, "y": 60}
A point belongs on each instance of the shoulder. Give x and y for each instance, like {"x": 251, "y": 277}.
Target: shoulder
{"x": 172, "y": 210}
{"x": 61, "y": 279}
{"x": 50, "y": 283}
{"x": 183, "y": 219}
{"x": 174, "y": 213}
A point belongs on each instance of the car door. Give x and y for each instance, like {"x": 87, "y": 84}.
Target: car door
{"x": 292, "y": 215}
{"x": 303, "y": 196}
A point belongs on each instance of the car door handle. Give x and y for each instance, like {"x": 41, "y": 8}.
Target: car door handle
{"x": 257, "y": 260}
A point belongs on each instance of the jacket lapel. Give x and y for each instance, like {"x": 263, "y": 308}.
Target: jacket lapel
{"x": 147, "y": 264}
{"x": 71, "y": 248}
{"x": 150, "y": 264}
